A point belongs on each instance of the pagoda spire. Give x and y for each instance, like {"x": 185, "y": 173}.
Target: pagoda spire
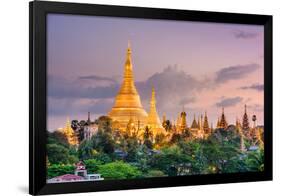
{"x": 183, "y": 123}
{"x": 128, "y": 85}
{"x": 245, "y": 123}
{"x": 206, "y": 124}
{"x": 69, "y": 133}
{"x": 223, "y": 123}
{"x": 194, "y": 125}
{"x": 153, "y": 120}
{"x": 127, "y": 102}
{"x": 218, "y": 123}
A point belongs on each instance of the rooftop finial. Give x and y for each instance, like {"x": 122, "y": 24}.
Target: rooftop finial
{"x": 129, "y": 44}
{"x": 129, "y": 47}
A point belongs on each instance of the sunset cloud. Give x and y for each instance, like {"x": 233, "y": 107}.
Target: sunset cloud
{"x": 97, "y": 78}
{"x": 60, "y": 87}
{"x": 235, "y": 72}
{"x": 257, "y": 87}
{"x": 244, "y": 34}
{"x": 85, "y": 65}
{"x": 227, "y": 102}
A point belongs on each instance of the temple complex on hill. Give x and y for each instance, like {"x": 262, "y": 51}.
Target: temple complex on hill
{"x": 130, "y": 118}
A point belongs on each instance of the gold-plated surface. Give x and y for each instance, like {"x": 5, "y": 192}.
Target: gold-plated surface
{"x": 127, "y": 102}
{"x": 153, "y": 120}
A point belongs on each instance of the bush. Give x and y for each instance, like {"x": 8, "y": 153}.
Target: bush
{"x": 92, "y": 165}
{"x": 118, "y": 170}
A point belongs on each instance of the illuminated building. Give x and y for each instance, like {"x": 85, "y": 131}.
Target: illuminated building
{"x": 69, "y": 133}
{"x": 153, "y": 121}
{"x": 127, "y": 102}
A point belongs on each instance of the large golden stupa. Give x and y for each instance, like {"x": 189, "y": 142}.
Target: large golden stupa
{"x": 127, "y": 102}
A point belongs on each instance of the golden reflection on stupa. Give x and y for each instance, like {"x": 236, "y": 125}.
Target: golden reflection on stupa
{"x": 127, "y": 102}
{"x": 153, "y": 120}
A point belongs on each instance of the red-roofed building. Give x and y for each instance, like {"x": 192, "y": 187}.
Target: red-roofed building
{"x": 80, "y": 174}
{"x": 66, "y": 178}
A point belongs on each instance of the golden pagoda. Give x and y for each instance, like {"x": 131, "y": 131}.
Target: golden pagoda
{"x": 223, "y": 122}
{"x": 127, "y": 102}
{"x": 206, "y": 128}
{"x": 69, "y": 133}
{"x": 153, "y": 120}
{"x": 194, "y": 125}
{"x": 182, "y": 124}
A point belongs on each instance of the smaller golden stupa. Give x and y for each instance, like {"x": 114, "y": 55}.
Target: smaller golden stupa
{"x": 153, "y": 121}
{"x": 69, "y": 133}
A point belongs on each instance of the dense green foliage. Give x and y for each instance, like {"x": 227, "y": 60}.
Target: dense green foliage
{"x": 119, "y": 170}
{"x": 59, "y": 169}
{"x": 117, "y": 156}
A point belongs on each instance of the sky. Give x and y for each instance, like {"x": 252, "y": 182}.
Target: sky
{"x": 195, "y": 66}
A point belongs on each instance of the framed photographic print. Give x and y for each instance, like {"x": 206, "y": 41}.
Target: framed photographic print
{"x": 130, "y": 97}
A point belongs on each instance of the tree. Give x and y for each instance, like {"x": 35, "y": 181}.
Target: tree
{"x": 148, "y": 144}
{"x": 102, "y": 157}
{"x": 168, "y": 125}
{"x": 159, "y": 140}
{"x": 85, "y": 150}
{"x": 142, "y": 157}
{"x": 59, "y": 169}
{"x": 78, "y": 128}
{"x": 222, "y": 151}
{"x": 92, "y": 165}
{"x": 147, "y": 137}
{"x": 57, "y": 154}
{"x": 176, "y": 137}
{"x": 255, "y": 161}
{"x": 103, "y": 142}
{"x": 147, "y": 134}
{"x": 132, "y": 146}
{"x": 119, "y": 170}
{"x": 57, "y": 137}
{"x": 105, "y": 124}
{"x": 193, "y": 149}
{"x": 172, "y": 161}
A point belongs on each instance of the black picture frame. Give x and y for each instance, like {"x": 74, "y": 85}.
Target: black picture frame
{"x": 37, "y": 95}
